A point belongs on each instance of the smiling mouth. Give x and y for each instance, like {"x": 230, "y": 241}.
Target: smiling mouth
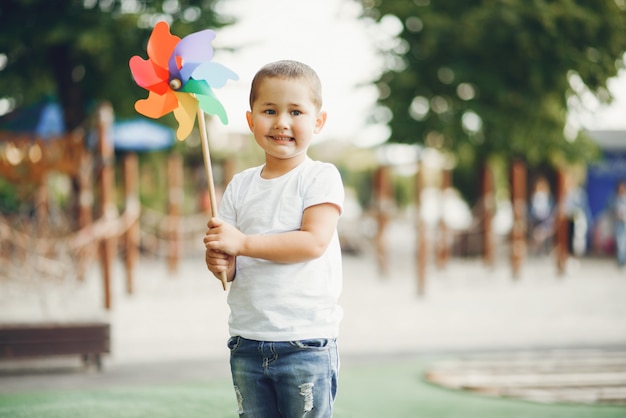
{"x": 280, "y": 138}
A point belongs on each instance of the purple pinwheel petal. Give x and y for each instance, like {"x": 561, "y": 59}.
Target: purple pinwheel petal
{"x": 216, "y": 75}
{"x": 193, "y": 48}
{"x": 196, "y": 47}
{"x": 187, "y": 70}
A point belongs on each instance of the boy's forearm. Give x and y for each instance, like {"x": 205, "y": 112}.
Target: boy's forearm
{"x": 288, "y": 247}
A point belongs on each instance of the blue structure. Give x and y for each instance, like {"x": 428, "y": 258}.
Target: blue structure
{"x": 44, "y": 119}
{"x": 602, "y": 179}
{"x": 140, "y": 134}
{"x": 603, "y": 175}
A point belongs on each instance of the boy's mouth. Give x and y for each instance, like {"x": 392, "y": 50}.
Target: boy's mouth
{"x": 282, "y": 138}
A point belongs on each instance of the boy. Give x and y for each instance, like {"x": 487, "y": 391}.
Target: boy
{"x": 276, "y": 238}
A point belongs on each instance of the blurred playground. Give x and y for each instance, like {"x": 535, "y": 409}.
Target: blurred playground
{"x": 480, "y": 227}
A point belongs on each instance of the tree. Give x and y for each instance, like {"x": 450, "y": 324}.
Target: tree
{"x": 494, "y": 77}
{"x": 78, "y": 50}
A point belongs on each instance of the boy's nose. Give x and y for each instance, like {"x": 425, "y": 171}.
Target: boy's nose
{"x": 281, "y": 121}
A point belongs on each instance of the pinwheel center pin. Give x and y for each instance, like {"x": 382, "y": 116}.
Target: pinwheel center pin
{"x": 175, "y": 84}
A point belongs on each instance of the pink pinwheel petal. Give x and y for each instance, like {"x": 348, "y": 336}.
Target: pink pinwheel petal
{"x": 157, "y": 105}
{"x": 216, "y": 75}
{"x": 161, "y": 44}
{"x": 149, "y": 76}
{"x": 185, "y": 114}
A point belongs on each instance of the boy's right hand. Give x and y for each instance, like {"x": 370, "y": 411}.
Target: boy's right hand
{"x": 218, "y": 262}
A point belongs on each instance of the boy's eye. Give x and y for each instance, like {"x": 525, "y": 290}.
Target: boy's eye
{"x": 296, "y": 112}
{"x": 269, "y": 111}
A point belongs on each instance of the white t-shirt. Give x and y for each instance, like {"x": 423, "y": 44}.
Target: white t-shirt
{"x": 279, "y": 301}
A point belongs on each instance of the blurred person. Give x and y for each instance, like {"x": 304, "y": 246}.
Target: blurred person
{"x": 276, "y": 238}
{"x": 578, "y": 214}
{"x": 541, "y": 216}
{"x": 618, "y": 212}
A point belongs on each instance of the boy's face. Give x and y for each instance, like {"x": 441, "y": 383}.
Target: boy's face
{"x": 284, "y": 118}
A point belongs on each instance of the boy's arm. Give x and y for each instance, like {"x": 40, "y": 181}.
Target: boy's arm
{"x": 319, "y": 223}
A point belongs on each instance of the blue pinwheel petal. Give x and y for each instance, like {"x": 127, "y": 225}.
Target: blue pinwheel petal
{"x": 216, "y": 75}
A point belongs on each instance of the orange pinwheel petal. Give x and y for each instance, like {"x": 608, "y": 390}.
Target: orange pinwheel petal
{"x": 157, "y": 105}
{"x": 185, "y": 114}
{"x": 148, "y": 75}
{"x": 161, "y": 44}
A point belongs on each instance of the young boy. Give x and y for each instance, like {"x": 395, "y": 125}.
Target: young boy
{"x": 276, "y": 238}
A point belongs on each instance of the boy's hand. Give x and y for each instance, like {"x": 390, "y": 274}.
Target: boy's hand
{"x": 223, "y": 237}
{"x": 217, "y": 262}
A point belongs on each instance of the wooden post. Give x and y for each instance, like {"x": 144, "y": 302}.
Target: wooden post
{"x": 107, "y": 203}
{"x": 442, "y": 226}
{"x": 488, "y": 214}
{"x": 518, "y": 200}
{"x": 175, "y": 202}
{"x": 42, "y": 205}
{"x": 383, "y": 201}
{"x": 422, "y": 237}
{"x": 228, "y": 171}
{"x": 131, "y": 237}
{"x": 561, "y": 230}
{"x": 84, "y": 183}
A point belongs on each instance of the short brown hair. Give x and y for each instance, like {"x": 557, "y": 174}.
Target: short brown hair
{"x": 288, "y": 69}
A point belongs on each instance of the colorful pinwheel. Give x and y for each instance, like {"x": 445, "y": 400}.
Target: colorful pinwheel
{"x": 179, "y": 77}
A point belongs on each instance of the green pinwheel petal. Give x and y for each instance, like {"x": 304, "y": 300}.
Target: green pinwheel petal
{"x": 209, "y": 104}
{"x": 196, "y": 87}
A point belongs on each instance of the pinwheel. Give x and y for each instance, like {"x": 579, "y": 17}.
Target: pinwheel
{"x": 180, "y": 76}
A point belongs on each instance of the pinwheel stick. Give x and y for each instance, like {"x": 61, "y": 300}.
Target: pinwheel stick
{"x": 209, "y": 174}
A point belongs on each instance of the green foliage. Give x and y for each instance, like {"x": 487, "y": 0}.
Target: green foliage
{"x": 484, "y": 77}
{"x": 9, "y": 202}
{"x": 78, "y": 50}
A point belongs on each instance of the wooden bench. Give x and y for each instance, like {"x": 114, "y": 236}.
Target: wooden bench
{"x": 89, "y": 340}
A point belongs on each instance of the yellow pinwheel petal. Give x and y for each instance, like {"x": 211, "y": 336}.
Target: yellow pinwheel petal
{"x": 185, "y": 114}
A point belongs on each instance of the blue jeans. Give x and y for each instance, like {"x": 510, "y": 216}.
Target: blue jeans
{"x": 284, "y": 379}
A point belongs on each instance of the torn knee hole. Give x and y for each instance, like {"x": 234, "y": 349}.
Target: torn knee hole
{"x": 306, "y": 390}
{"x": 239, "y": 401}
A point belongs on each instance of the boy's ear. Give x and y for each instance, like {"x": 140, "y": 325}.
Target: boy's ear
{"x": 320, "y": 121}
{"x": 249, "y": 119}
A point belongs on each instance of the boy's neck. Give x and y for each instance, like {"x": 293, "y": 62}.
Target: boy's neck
{"x": 275, "y": 167}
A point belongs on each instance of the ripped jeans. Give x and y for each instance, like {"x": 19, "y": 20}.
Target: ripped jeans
{"x": 287, "y": 379}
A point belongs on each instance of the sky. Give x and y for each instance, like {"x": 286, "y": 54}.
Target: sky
{"x": 326, "y": 35}
{"x": 598, "y": 116}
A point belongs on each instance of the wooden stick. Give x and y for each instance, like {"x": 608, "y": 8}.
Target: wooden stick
{"x": 209, "y": 174}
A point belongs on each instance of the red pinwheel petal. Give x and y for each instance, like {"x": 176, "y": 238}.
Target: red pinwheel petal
{"x": 161, "y": 44}
{"x": 157, "y": 105}
{"x": 148, "y": 75}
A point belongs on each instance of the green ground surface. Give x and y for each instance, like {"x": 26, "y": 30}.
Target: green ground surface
{"x": 391, "y": 390}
